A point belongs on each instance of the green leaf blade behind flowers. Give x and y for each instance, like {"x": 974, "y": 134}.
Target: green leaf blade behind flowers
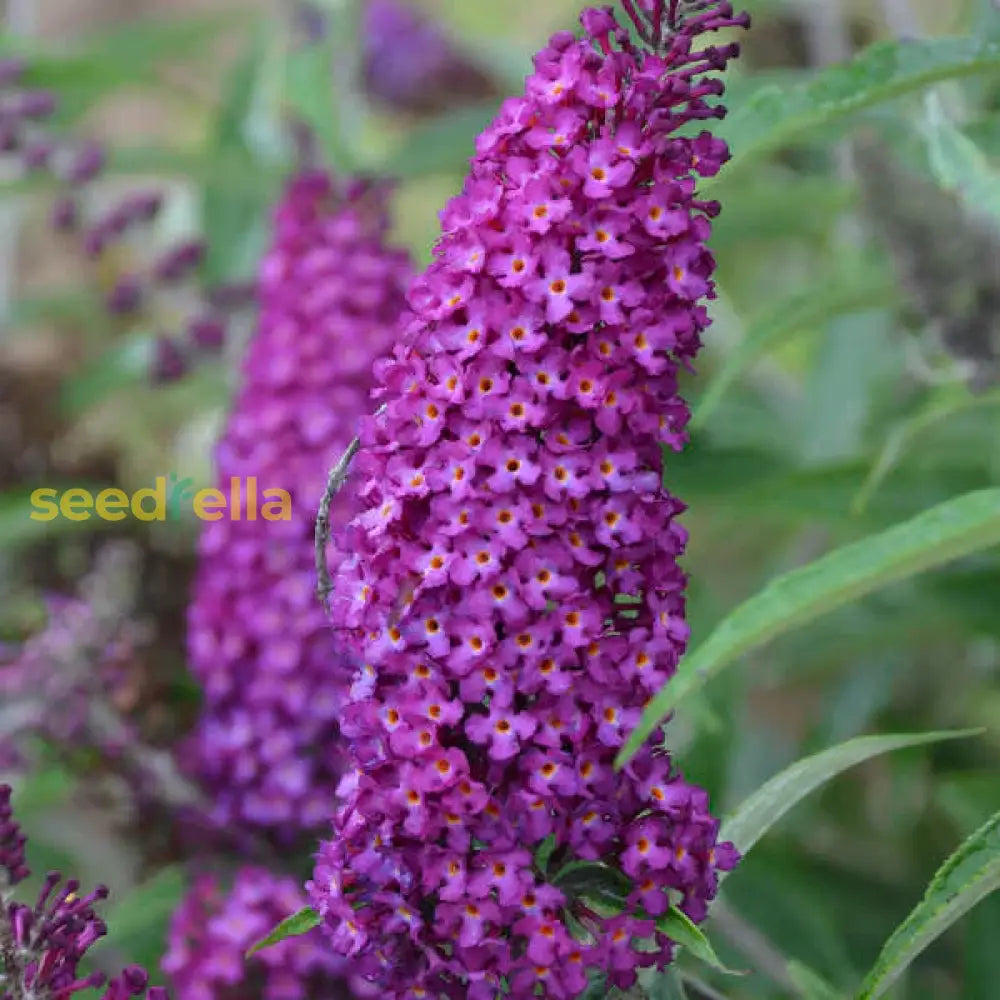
{"x": 968, "y": 876}
{"x": 765, "y": 807}
{"x": 838, "y": 295}
{"x": 294, "y": 926}
{"x": 956, "y": 528}
{"x": 774, "y": 116}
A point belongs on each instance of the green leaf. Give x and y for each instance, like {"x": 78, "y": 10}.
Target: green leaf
{"x": 126, "y": 363}
{"x": 294, "y": 926}
{"x": 543, "y": 853}
{"x": 600, "y": 885}
{"x": 945, "y": 403}
{"x": 442, "y": 145}
{"x": 958, "y": 163}
{"x": 138, "y": 923}
{"x": 765, "y": 808}
{"x": 776, "y": 115}
{"x": 18, "y": 528}
{"x": 836, "y": 295}
{"x": 233, "y": 218}
{"x": 982, "y": 957}
{"x": 680, "y": 928}
{"x": 667, "y": 985}
{"x": 953, "y": 529}
{"x": 968, "y": 876}
{"x": 810, "y": 984}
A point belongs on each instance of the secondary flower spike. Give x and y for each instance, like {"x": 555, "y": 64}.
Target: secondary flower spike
{"x": 513, "y": 592}
{"x": 42, "y": 945}
{"x": 330, "y": 292}
{"x": 212, "y": 930}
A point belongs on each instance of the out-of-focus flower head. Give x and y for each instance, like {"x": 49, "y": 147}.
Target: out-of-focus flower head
{"x": 512, "y": 589}
{"x": 213, "y": 929}
{"x": 409, "y": 63}
{"x": 331, "y": 291}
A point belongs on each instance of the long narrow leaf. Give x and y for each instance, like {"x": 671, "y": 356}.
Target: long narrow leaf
{"x": 953, "y": 529}
{"x": 837, "y": 296}
{"x": 969, "y": 875}
{"x": 775, "y": 115}
{"x": 765, "y": 808}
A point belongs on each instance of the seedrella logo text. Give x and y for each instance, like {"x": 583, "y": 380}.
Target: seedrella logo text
{"x": 169, "y": 498}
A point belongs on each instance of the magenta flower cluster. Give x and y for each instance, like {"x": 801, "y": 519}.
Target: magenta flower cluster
{"x": 267, "y": 747}
{"x": 513, "y": 592}
{"x": 213, "y": 929}
{"x": 41, "y": 946}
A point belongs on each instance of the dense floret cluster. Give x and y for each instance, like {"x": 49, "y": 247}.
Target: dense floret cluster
{"x": 330, "y": 294}
{"x": 513, "y": 592}
{"x": 212, "y": 930}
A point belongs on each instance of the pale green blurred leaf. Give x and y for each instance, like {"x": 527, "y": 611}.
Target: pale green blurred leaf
{"x": 853, "y": 290}
{"x": 958, "y": 164}
{"x": 942, "y": 404}
{"x": 138, "y": 922}
{"x": 953, "y": 529}
{"x": 775, "y": 115}
{"x": 766, "y": 807}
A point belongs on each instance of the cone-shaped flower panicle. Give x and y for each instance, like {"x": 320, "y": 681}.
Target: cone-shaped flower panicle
{"x": 213, "y": 929}
{"x": 41, "y": 946}
{"x": 513, "y": 592}
{"x": 330, "y": 293}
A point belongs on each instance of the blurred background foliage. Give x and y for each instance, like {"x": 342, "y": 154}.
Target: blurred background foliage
{"x": 849, "y": 382}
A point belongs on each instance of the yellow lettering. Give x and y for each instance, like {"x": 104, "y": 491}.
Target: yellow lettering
{"x": 158, "y": 494}
{"x": 76, "y": 504}
{"x": 208, "y": 505}
{"x": 44, "y": 502}
{"x": 111, "y": 505}
{"x": 280, "y": 499}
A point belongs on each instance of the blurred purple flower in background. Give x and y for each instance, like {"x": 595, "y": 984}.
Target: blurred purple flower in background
{"x": 267, "y": 746}
{"x": 410, "y": 64}
{"x": 213, "y": 929}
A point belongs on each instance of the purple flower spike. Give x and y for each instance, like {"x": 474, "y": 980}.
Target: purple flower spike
{"x": 212, "y": 930}
{"x": 512, "y": 589}
{"x": 38, "y": 155}
{"x": 65, "y": 214}
{"x": 410, "y": 64}
{"x": 330, "y": 293}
